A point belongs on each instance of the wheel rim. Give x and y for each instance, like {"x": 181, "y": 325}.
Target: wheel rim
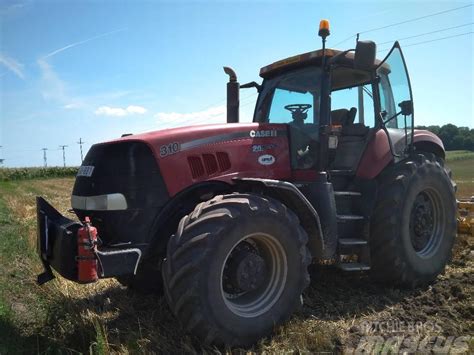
{"x": 254, "y": 275}
{"x": 426, "y": 222}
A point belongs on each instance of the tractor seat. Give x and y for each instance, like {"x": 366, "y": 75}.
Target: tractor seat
{"x": 351, "y": 141}
{"x": 343, "y": 116}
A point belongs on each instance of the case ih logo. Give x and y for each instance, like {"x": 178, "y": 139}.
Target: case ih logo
{"x": 263, "y": 133}
{"x": 266, "y": 159}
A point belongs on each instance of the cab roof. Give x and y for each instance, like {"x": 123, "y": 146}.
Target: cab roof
{"x": 344, "y": 76}
{"x": 300, "y": 60}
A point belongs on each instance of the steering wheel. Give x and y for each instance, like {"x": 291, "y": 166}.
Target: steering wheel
{"x": 298, "y": 111}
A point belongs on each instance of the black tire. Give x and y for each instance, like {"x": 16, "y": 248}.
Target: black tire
{"x": 414, "y": 222}
{"x": 198, "y": 260}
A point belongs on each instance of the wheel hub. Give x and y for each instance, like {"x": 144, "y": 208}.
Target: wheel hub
{"x": 422, "y": 222}
{"x": 245, "y": 271}
{"x": 254, "y": 275}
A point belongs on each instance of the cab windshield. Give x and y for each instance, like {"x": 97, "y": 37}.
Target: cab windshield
{"x": 292, "y": 97}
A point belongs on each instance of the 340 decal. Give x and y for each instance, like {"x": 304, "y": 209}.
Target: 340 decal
{"x": 168, "y": 149}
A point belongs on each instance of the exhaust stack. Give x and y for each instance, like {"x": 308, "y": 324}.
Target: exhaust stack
{"x": 233, "y": 88}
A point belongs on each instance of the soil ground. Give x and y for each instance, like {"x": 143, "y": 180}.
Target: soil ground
{"x": 341, "y": 311}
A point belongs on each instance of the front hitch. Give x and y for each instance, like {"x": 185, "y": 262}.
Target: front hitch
{"x": 57, "y": 238}
{"x": 56, "y": 242}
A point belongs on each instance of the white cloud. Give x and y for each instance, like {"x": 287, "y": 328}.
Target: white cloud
{"x": 72, "y": 106}
{"x": 136, "y": 109}
{"x": 120, "y": 112}
{"x": 52, "y": 87}
{"x": 211, "y": 115}
{"x": 12, "y": 65}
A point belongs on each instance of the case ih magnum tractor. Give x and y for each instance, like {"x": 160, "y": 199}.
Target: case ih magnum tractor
{"x": 225, "y": 219}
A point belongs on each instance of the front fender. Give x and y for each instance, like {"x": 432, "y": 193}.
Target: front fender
{"x": 292, "y": 197}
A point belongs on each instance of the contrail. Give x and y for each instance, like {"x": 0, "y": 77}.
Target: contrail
{"x": 53, "y": 53}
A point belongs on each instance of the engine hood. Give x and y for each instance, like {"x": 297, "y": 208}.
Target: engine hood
{"x": 192, "y": 154}
{"x": 188, "y": 134}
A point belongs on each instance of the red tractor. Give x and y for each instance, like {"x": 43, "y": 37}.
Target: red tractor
{"x": 225, "y": 219}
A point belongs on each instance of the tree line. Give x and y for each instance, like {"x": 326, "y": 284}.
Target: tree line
{"x": 453, "y": 137}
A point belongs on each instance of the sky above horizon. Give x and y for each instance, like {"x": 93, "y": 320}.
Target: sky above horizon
{"x": 97, "y": 69}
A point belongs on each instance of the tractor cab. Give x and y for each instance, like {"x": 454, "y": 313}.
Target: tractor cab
{"x": 334, "y": 102}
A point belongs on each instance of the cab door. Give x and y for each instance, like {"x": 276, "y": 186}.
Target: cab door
{"x": 395, "y": 91}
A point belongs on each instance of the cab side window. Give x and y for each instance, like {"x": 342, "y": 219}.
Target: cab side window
{"x": 394, "y": 88}
{"x": 360, "y": 98}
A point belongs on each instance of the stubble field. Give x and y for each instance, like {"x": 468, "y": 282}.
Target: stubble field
{"x": 340, "y": 310}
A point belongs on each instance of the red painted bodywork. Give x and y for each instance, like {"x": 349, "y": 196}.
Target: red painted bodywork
{"x": 427, "y": 136}
{"x": 377, "y": 154}
{"x": 244, "y": 163}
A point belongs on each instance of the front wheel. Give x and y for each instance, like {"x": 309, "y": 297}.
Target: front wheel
{"x": 414, "y": 223}
{"x": 235, "y": 268}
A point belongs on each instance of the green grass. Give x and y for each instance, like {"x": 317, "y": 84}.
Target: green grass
{"x": 455, "y": 155}
{"x": 32, "y": 318}
{"x": 12, "y": 247}
{"x": 9, "y": 174}
{"x": 461, "y": 163}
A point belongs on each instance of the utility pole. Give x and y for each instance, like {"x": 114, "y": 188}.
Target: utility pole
{"x": 44, "y": 157}
{"x": 1, "y": 160}
{"x": 80, "y": 144}
{"x": 64, "y": 154}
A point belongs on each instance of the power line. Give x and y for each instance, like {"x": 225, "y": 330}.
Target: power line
{"x": 426, "y": 33}
{"x": 199, "y": 120}
{"x": 64, "y": 154}
{"x": 432, "y": 40}
{"x": 348, "y": 38}
{"x": 81, "y": 142}
{"x": 45, "y": 159}
{"x": 415, "y": 19}
{"x": 403, "y": 22}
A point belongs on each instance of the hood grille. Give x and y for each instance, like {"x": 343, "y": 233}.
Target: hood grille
{"x": 208, "y": 164}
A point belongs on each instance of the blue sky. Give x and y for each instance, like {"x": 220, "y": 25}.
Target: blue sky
{"x": 97, "y": 69}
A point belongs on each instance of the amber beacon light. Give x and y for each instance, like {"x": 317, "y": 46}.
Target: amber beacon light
{"x": 323, "y": 28}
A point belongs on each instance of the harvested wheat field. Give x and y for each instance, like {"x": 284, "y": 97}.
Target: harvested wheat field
{"x": 341, "y": 312}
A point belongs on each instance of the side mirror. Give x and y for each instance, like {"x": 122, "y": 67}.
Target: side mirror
{"x": 252, "y": 84}
{"x": 364, "y": 57}
{"x": 406, "y": 107}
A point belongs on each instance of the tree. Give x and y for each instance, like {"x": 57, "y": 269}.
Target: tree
{"x": 453, "y": 137}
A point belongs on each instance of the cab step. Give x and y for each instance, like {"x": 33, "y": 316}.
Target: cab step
{"x": 349, "y": 242}
{"x": 342, "y": 172}
{"x": 347, "y": 193}
{"x": 353, "y": 266}
{"x": 349, "y": 217}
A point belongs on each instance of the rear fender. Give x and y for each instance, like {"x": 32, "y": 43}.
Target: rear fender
{"x": 426, "y": 141}
{"x": 377, "y": 154}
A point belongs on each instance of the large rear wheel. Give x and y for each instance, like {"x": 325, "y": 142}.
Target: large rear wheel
{"x": 235, "y": 268}
{"x": 414, "y": 223}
